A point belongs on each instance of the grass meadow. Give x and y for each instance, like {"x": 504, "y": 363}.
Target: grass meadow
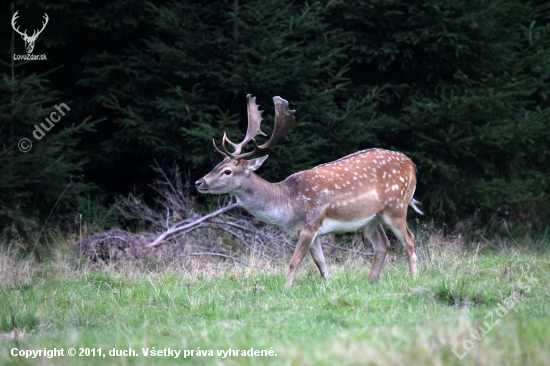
{"x": 490, "y": 307}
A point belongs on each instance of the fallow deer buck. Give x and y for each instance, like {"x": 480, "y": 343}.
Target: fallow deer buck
{"x": 362, "y": 191}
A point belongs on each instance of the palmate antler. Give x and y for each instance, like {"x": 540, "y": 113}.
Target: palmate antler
{"x": 284, "y": 117}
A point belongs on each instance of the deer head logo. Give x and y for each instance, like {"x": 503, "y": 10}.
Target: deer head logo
{"x": 29, "y": 40}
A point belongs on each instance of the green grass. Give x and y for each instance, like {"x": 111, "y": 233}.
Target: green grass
{"x": 345, "y": 320}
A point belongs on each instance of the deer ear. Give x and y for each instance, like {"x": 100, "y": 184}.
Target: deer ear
{"x": 253, "y": 164}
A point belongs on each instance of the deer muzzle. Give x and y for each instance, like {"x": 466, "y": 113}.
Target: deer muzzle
{"x": 201, "y": 185}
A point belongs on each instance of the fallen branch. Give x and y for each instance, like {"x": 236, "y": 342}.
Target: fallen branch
{"x": 244, "y": 228}
{"x": 257, "y": 232}
{"x": 368, "y": 255}
{"x": 217, "y": 255}
{"x": 176, "y": 228}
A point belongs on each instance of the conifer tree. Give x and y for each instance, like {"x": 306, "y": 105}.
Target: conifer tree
{"x": 40, "y": 171}
{"x": 460, "y": 87}
{"x": 468, "y": 97}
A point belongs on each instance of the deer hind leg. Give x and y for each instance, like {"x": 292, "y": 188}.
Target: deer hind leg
{"x": 316, "y": 252}
{"x": 302, "y": 247}
{"x": 380, "y": 243}
{"x": 398, "y": 226}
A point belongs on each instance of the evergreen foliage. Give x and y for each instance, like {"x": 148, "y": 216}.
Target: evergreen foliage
{"x": 468, "y": 101}
{"x": 35, "y": 182}
{"x": 460, "y": 87}
{"x": 184, "y": 85}
{"x": 457, "y": 86}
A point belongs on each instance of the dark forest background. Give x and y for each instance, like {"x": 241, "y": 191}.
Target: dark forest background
{"x": 461, "y": 87}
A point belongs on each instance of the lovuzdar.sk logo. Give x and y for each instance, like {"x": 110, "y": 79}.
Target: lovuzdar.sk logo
{"x": 29, "y": 40}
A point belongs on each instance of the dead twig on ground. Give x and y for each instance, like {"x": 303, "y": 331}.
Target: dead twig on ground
{"x": 176, "y": 229}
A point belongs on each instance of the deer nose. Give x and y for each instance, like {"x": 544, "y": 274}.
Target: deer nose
{"x": 199, "y": 183}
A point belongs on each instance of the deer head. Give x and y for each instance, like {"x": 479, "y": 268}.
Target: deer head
{"x": 29, "y": 40}
{"x": 227, "y": 175}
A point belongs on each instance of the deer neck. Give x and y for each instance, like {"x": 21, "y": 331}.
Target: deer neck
{"x": 267, "y": 201}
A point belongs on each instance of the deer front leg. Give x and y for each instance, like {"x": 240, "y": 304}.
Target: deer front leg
{"x": 305, "y": 242}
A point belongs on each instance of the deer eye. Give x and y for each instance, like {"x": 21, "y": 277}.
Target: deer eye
{"x": 227, "y": 172}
